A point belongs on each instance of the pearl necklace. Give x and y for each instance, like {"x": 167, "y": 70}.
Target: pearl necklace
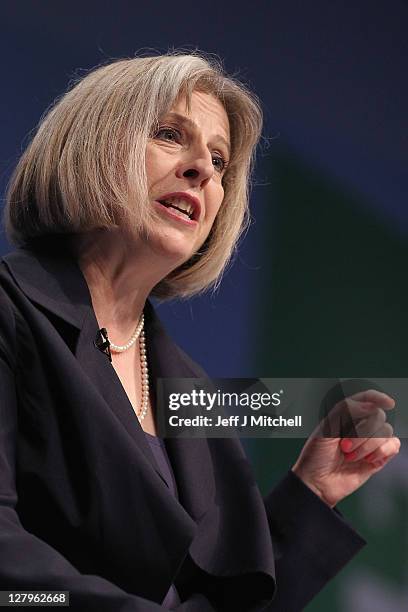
{"x": 121, "y": 348}
{"x": 138, "y": 333}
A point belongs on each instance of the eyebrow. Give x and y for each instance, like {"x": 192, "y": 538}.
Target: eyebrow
{"x": 192, "y": 124}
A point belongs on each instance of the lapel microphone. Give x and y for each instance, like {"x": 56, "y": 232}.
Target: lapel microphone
{"x": 102, "y": 342}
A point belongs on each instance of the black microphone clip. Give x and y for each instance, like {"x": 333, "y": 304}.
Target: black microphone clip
{"x": 102, "y": 342}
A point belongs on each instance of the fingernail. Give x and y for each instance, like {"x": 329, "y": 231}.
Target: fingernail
{"x": 350, "y": 456}
{"x": 369, "y": 457}
{"x": 346, "y": 445}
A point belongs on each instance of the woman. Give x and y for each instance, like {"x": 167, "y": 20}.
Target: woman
{"x": 136, "y": 185}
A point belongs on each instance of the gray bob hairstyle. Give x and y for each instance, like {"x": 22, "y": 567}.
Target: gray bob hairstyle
{"x": 84, "y": 169}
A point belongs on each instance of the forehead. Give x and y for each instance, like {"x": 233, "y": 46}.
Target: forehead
{"x": 206, "y": 112}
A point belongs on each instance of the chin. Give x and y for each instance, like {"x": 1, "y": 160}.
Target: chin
{"x": 176, "y": 249}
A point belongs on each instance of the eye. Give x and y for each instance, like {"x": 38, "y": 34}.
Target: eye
{"x": 220, "y": 164}
{"x": 169, "y": 134}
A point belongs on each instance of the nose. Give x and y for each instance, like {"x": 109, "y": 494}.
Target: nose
{"x": 197, "y": 167}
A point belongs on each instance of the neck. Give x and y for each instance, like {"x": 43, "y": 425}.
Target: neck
{"x": 120, "y": 275}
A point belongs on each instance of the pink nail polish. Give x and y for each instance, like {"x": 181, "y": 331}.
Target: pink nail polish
{"x": 350, "y": 456}
{"x": 346, "y": 445}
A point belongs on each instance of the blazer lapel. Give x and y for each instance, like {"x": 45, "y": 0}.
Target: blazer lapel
{"x": 190, "y": 458}
{"x": 228, "y": 494}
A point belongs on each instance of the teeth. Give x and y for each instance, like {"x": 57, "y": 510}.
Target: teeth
{"x": 180, "y": 203}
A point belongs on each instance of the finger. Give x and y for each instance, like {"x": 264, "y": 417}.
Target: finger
{"x": 376, "y": 397}
{"x": 355, "y": 408}
{"x": 385, "y": 451}
{"x": 358, "y": 448}
{"x": 357, "y": 419}
{"x": 378, "y": 465}
{"x": 345, "y": 415}
{"x": 373, "y": 425}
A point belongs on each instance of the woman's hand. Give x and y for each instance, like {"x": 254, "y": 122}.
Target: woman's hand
{"x": 335, "y": 467}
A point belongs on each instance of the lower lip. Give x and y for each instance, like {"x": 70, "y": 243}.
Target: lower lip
{"x": 170, "y": 212}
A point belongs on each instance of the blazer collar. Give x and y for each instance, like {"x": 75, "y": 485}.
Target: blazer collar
{"x": 51, "y": 277}
{"x": 55, "y": 281}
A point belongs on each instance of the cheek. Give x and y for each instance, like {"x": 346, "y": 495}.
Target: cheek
{"x": 216, "y": 201}
{"x": 158, "y": 166}
{"x": 151, "y": 168}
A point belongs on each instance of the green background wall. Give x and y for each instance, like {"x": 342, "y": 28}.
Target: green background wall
{"x": 333, "y": 303}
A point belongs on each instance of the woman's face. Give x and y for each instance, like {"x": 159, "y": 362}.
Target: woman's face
{"x": 185, "y": 162}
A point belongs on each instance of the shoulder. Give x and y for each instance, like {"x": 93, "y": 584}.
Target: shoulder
{"x": 168, "y": 358}
{"x": 7, "y": 322}
{"x": 197, "y": 371}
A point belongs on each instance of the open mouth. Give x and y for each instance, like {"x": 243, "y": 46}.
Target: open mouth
{"x": 184, "y": 208}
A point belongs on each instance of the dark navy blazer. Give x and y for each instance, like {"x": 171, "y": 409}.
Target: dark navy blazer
{"x": 83, "y": 507}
